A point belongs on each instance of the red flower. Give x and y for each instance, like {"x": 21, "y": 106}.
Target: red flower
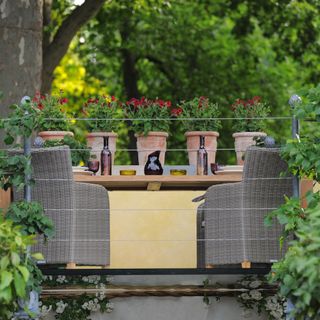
{"x": 256, "y": 99}
{"x": 202, "y": 101}
{"x": 40, "y": 106}
{"x": 113, "y": 98}
{"x": 176, "y": 112}
{"x": 168, "y": 104}
{"x": 63, "y": 100}
{"x": 161, "y": 103}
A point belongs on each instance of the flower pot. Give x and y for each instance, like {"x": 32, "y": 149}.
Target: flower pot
{"x": 243, "y": 140}
{"x": 95, "y": 142}
{"x": 54, "y": 135}
{"x": 193, "y": 144}
{"x": 153, "y": 141}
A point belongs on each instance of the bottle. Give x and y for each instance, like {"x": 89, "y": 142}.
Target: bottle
{"x": 106, "y": 158}
{"x": 202, "y": 159}
{"x": 153, "y": 165}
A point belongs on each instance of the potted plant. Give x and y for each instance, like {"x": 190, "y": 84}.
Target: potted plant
{"x": 249, "y": 123}
{"x": 150, "y": 122}
{"x": 199, "y": 118}
{"x": 53, "y": 121}
{"x": 102, "y": 112}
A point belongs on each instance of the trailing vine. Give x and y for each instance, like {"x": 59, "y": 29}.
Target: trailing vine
{"x": 80, "y": 307}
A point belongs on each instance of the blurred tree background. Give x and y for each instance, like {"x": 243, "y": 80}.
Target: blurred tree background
{"x": 179, "y": 49}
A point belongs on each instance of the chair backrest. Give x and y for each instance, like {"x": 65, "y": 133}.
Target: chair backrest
{"x": 52, "y": 163}
{"x": 54, "y": 189}
{"x": 264, "y": 190}
{"x": 264, "y": 182}
{"x": 263, "y": 163}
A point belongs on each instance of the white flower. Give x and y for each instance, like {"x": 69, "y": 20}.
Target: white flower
{"x": 245, "y": 283}
{"x": 62, "y": 279}
{"x": 276, "y": 314}
{"x": 255, "y": 284}
{"x": 256, "y": 295}
{"x": 44, "y": 310}
{"x": 60, "y": 306}
{"x": 245, "y": 296}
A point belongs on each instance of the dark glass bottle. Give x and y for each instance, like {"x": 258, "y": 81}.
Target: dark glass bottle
{"x": 153, "y": 165}
{"x": 106, "y": 158}
{"x": 202, "y": 159}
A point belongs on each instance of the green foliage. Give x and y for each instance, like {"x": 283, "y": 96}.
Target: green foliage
{"x": 79, "y": 151}
{"x": 21, "y": 122}
{"x": 105, "y": 110}
{"x": 200, "y": 110}
{"x": 310, "y": 107}
{"x": 302, "y": 157}
{"x": 13, "y": 169}
{"x": 31, "y": 217}
{"x": 14, "y": 273}
{"x": 288, "y": 214}
{"x": 148, "y": 115}
{"x": 298, "y": 273}
{"x": 52, "y": 115}
{"x": 247, "y": 112}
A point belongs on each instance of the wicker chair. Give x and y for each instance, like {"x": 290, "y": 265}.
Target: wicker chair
{"x": 80, "y": 211}
{"x": 230, "y": 222}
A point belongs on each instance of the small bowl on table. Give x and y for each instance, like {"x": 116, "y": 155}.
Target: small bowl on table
{"x": 178, "y": 172}
{"x": 128, "y": 172}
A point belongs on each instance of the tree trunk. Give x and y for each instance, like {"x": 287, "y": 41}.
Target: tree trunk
{"x": 54, "y": 51}
{"x": 20, "y": 50}
{"x": 130, "y": 79}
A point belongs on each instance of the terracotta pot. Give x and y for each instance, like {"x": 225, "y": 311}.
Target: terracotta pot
{"x": 153, "y": 141}
{"x": 95, "y": 142}
{"x": 54, "y": 135}
{"x": 193, "y": 144}
{"x": 243, "y": 140}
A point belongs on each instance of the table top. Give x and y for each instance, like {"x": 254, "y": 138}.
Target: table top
{"x": 154, "y": 183}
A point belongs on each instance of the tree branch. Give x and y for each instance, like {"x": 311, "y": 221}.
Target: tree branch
{"x": 55, "y": 51}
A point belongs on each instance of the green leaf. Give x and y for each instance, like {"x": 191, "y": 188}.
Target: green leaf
{"x": 25, "y": 272}
{"x": 15, "y": 258}
{"x": 6, "y": 279}
{"x": 4, "y": 262}
{"x": 6, "y": 294}
{"x": 38, "y": 256}
{"x": 19, "y": 284}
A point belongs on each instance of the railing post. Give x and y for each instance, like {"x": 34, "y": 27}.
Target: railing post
{"x": 293, "y": 102}
{"x": 33, "y": 302}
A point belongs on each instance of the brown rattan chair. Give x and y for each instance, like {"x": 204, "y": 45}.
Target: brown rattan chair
{"x": 80, "y": 211}
{"x": 230, "y": 222}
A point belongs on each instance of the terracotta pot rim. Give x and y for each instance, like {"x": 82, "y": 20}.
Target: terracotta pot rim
{"x": 248, "y": 134}
{"x": 153, "y": 134}
{"x": 200, "y": 133}
{"x": 55, "y": 133}
{"x": 102, "y": 134}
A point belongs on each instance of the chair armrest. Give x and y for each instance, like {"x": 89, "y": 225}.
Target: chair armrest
{"x": 92, "y": 224}
{"x": 222, "y": 224}
{"x": 224, "y": 192}
{"x": 91, "y": 196}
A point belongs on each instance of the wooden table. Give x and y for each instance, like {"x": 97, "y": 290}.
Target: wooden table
{"x": 156, "y": 183}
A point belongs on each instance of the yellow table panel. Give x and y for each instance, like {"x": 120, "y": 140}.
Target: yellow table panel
{"x": 153, "y": 229}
